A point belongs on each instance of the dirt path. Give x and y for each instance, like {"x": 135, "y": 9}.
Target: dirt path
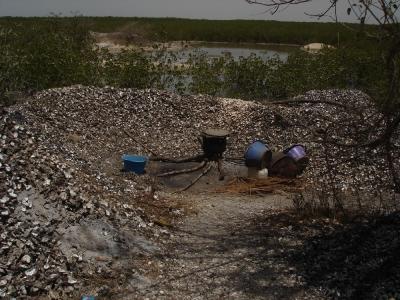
{"x": 230, "y": 249}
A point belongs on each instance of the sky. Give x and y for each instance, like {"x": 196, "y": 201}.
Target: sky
{"x": 198, "y": 9}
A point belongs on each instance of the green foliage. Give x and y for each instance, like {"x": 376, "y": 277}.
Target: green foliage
{"x": 57, "y": 53}
{"x": 206, "y": 75}
{"x": 255, "y": 31}
{"x": 60, "y": 53}
{"x": 251, "y": 77}
{"x": 137, "y": 69}
{"x": 341, "y": 68}
{"x": 237, "y": 31}
{"x": 255, "y": 78}
{"x": 129, "y": 69}
{"x": 43, "y": 56}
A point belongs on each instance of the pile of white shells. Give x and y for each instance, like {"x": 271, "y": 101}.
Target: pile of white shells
{"x": 60, "y": 161}
{"x": 87, "y": 125}
{"x": 29, "y": 261}
{"x": 42, "y": 193}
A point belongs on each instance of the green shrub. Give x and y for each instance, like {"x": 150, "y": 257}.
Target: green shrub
{"x": 59, "y": 52}
{"x": 46, "y": 55}
{"x": 254, "y": 78}
{"x": 206, "y": 75}
{"x": 129, "y": 69}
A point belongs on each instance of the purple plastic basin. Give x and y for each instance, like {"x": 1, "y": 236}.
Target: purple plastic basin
{"x": 296, "y": 152}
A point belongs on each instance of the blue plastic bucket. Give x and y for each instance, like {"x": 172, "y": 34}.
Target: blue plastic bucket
{"x": 134, "y": 163}
{"x": 258, "y": 155}
{"x": 297, "y": 152}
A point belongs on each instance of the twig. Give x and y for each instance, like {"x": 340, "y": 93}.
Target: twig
{"x": 197, "y": 158}
{"x": 189, "y": 170}
{"x": 220, "y": 170}
{"x": 140, "y": 144}
{"x": 206, "y": 170}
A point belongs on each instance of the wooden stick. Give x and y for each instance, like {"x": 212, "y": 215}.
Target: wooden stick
{"x": 220, "y": 170}
{"x": 140, "y": 144}
{"x": 189, "y": 170}
{"x": 197, "y": 158}
{"x": 206, "y": 170}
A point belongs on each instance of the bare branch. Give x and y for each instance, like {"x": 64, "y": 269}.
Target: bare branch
{"x": 384, "y": 13}
{"x": 326, "y": 11}
{"x": 275, "y": 5}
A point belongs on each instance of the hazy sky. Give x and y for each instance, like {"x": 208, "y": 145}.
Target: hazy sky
{"x": 204, "y": 9}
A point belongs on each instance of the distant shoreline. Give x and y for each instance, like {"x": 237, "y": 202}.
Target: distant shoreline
{"x": 106, "y": 41}
{"x": 261, "y": 32}
{"x": 245, "y": 43}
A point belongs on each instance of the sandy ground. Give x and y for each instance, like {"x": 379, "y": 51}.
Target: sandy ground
{"x": 115, "y": 42}
{"x": 226, "y": 251}
{"x": 223, "y": 249}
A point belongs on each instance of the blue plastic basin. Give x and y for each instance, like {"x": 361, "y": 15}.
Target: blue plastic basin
{"x": 134, "y": 163}
{"x": 258, "y": 155}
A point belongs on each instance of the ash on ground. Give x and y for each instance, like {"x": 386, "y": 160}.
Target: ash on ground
{"x": 61, "y": 183}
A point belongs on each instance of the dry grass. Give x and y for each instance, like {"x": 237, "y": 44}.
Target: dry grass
{"x": 260, "y": 186}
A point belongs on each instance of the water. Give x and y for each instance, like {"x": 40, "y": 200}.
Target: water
{"x": 215, "y": 50}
